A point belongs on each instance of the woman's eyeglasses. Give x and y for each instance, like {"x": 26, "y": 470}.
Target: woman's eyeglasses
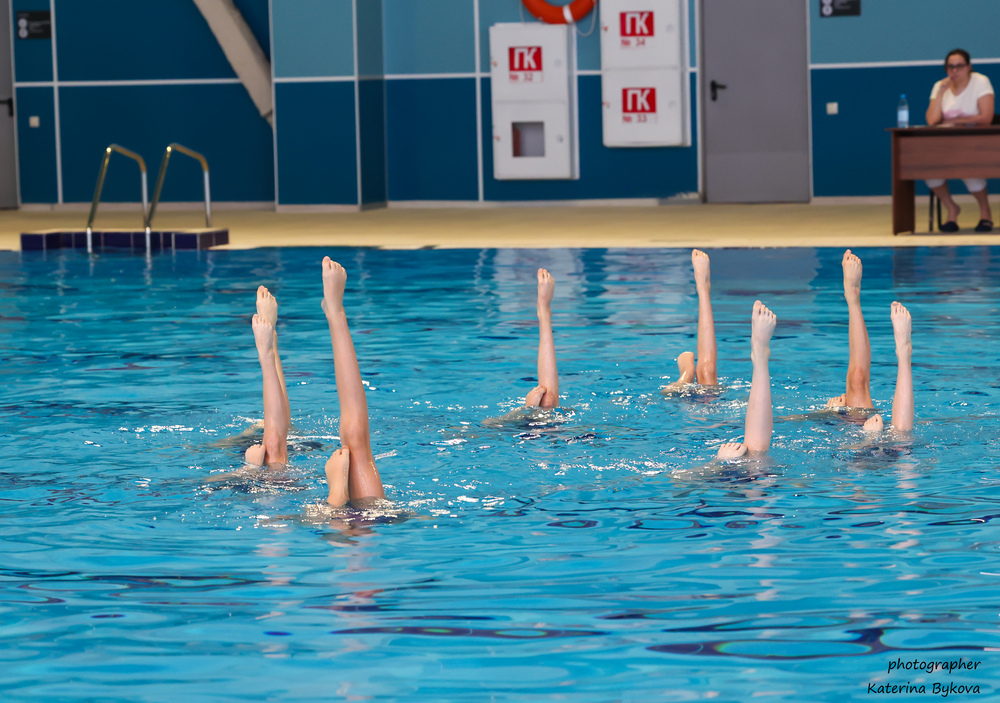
{"x": 955, "y": 66}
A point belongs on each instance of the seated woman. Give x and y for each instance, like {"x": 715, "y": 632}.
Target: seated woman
{"x": 705, "y": 371}
{"x": 963, "y": 98}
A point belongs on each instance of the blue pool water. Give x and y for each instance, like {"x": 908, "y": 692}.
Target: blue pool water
{"x": 596, "y": 560}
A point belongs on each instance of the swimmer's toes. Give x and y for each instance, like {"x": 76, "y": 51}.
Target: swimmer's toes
{"x": 874, "y": 424}
{"x": 839, "y": 402}
{"x": 731, "y": 450}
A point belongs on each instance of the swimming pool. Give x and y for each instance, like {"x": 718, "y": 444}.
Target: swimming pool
{"x": 597, "y": 560}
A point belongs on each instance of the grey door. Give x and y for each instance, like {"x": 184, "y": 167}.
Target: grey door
{"x": 8, "y": 170}
{"x": 756, "y": 126}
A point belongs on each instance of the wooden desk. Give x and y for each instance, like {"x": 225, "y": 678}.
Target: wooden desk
{"x": 938, "y": 152}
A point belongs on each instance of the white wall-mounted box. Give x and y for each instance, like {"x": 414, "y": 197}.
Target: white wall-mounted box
{"x": 521, "y": 131}
{"x": 529, "y": 62}
{"x": 641, "y": 34}
{"x": 642, "y": 107}
{"x": 644, "y": 73}
{"x": 533, "y": 95}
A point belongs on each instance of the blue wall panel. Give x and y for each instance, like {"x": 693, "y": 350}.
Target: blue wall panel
{"x": 257, "y": 16}
{"x": 37, "y": 145}
{"x": 371, "y": 114}
{"x": 317, "y": 151}
{"x": 313, "y": 38}
{"x": 851, "y": 150}
{"x": 432, "y": 139}
{"x": 371, "y": 56}
{"x": 217, "y": 120}
{"x": 128, "y": 40}
{"x": 657, "y": 172}
{"x": 429, "y": 36}
{"x": 906, "y": 30}
{"x": 32, "y": 57}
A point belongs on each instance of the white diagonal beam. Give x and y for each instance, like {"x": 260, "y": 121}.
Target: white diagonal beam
{"x": 241, "y": 48}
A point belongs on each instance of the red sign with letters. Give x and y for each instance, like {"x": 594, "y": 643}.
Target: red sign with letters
{"x": 639, "y": 100}
{"x": 525, "y": 58}
{"x": 636, "y": 24}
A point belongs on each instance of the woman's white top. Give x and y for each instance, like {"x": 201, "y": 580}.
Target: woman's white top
{"x": 966, "y": 103}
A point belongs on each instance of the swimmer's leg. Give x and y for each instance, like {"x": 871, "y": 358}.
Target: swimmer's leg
{"x": 760, "y": 419}
{"x": 267, "y": 307}
{"x": 548, "y": 374}
{"x": 338, "y": 468}
{"x": 902, "y": 401}
{"x": 686, "y": 371}
{"x": 706, "y": 371}
{"x": 858, "y": 393}
{"x": 363, "y": 478}
{"x": 275, "y": 403}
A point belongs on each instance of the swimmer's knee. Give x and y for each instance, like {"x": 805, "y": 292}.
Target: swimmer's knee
{"x": 354, "y": 434}
{"x": 857, "y": 379}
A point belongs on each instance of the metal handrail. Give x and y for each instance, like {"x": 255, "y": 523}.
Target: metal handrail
{"x": 163, "y": 173}
{"x": 100, "y": 185}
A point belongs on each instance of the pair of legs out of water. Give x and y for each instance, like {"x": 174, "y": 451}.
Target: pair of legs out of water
{"x": 759, "y": 417}
{"x": 351, "y": 472}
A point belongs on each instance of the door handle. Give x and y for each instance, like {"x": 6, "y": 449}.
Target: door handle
{"x": 10, "y": 105}
{"x": 715, "y": 88}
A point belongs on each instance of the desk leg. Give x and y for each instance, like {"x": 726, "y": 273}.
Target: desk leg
{"x": 904, "y": 209}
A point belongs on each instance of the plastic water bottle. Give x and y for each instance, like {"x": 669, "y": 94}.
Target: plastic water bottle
{"x": 903, "y": 113}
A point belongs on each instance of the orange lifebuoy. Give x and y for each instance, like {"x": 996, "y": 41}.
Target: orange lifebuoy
{"x": 554, "y": 14}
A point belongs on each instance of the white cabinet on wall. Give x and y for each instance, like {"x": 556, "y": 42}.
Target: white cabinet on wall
{"x": 644, "y": 73}
{"x": 533, "y": 93}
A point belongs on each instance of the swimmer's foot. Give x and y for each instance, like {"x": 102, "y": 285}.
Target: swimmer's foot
{"x": 263, "y": 334}
{"x": 686, "y": 374}
{"x": 546, "y": 287}
{"x": 337, "y": 468}
{"x": 334, "y": 281}
{"x": 702, "y": 274}
{"x": 255, "y": 455}
{"x": 839, "y": 402}
{"x": 901, "y": 330}
{"x": 852, "y": 277}
{"x": 267, "y": 306}
{"x": 874, "y": 424}
{"x": 731, "y": 450}
{"x": 534, "y": 397}
{"x": 685, "y": 367}
{"x": 762, "y": 324}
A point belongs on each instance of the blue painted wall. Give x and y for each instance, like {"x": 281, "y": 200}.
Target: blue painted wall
{"x": 851, "y": 150}
{"x": 114, "y": 43}
{"x": 410, "y": 127}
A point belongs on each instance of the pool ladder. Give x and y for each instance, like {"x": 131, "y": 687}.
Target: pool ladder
{"x": 148, "y": 209}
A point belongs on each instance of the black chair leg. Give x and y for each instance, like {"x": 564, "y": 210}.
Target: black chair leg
{"x": 930, "y": 213}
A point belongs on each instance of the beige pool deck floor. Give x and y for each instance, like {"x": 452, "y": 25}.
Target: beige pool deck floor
{"x": 843, "y": 224}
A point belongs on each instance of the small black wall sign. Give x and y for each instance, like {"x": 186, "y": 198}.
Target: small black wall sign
{"x": 34, "y": 25}
{"x": 839, "y": 8}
